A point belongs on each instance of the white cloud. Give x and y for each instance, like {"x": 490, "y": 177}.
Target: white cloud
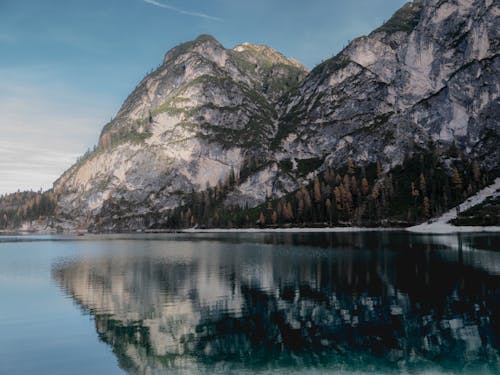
{"x": 182, "y": 11}
{"x": 44, "y": 127}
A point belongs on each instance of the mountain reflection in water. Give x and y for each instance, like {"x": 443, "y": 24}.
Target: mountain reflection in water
{"x": 346, "y": 301}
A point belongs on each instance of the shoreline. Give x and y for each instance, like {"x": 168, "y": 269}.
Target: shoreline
{"x": 429, "y": 229}
{"x": 425, "y": 228}
{"x": 290, "y": 230}
{"x": 445, "y": 228}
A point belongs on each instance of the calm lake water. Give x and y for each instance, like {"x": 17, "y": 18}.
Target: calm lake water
{"x": 374, "y": 302}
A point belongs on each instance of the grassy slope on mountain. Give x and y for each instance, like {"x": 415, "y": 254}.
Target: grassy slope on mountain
{"x": 405, "y": 19}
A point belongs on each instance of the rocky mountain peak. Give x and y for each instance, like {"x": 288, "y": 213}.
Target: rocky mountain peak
{"x": 261, "y": 51}
{"x": 259, "y": 67}
{"x": 205, "y": 45}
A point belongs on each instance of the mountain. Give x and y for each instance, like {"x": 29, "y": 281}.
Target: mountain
{"x": 399, "y": 126}
{"x": 185, "y": 126}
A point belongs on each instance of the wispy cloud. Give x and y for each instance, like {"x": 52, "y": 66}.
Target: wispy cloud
{"x": 182, "y": 11}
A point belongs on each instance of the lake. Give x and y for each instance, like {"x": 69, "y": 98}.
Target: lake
{"x": 352, "y": 303}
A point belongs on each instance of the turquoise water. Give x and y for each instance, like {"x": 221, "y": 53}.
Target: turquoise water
{"x": 378, "y": 302}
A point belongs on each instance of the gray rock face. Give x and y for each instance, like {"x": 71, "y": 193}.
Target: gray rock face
{"x": 427, "y": 79}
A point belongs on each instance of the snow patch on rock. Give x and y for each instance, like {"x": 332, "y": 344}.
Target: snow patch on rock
{"x": 441, "y": 224}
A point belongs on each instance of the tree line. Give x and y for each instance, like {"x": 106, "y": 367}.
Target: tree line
{"x": 422, "y": 187}
{"x": 419, "y": 189}
{"x": 25, "y": 206}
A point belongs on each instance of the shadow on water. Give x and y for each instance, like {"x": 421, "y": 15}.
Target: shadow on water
{"x": 386, "y": 302}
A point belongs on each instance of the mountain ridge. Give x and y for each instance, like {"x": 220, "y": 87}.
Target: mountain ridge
{"x": 254, "y": 137}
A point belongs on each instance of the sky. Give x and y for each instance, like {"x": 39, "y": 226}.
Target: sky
{"x": 67, "y": 65}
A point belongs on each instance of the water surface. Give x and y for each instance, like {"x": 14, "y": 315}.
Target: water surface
{"x": 376, "y": 302}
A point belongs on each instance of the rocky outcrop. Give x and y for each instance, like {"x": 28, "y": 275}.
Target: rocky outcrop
{"x": 426, "y": 80}
{"x": 426, "y": 77}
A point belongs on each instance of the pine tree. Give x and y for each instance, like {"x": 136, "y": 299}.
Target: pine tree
{"x": 379, "y": 169}
{"x": 327, "y": 175}
{"x": 414, "y": 191}
{"x": 279, "y": 209}
{"x": 218, "y": 191}
{"x": 325, "y": 190}
{"x": 262, "y": 219}
{"x": 307, "y": 198}
{"x": 365, "y": 188}
{"x": 300, "y": 202}
{"x": 317, "y": 190}
{"x": 427, "y": 207}
{"x": 269, "y": 205}
{"x": 328, "y": 206}
{"x": 346, "y": 181}
{"x": 274, "y": 217}
{"x": 354, "y": 185}
{"x": 422, "y": 184}
{"x": 476, "y": 171}
{"x": 346, "y": 199}
{"x": 350, "y": 167}
{"x": 338, "y": 198}
{"x": 338, "y": 180}
{"x": 288, "y": 212}
{"x": 231, "y": 179}
{"x": 414, "y": 194}
{"x": 457, "y": 180}
{"x": 188, "y": 216}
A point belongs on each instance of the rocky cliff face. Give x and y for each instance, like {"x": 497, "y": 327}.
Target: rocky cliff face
{"x": 186, "y": 126}
{"x": 425, "y": 80}
{"x": 425, "y": 77}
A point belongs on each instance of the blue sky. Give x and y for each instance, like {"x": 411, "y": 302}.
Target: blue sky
{"x": 67, "y": 65}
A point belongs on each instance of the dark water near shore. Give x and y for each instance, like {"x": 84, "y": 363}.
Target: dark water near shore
{"x": 377, "y": 302}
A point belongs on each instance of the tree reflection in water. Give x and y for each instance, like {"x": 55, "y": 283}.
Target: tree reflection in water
{"x": 362, "y": 301}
